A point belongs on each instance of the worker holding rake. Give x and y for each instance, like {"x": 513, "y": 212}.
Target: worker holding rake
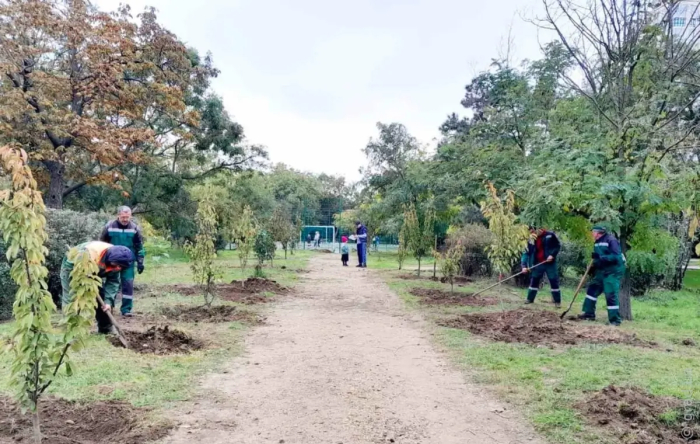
{"x": 609, "y": 265}
{"x": 543, "y": 249}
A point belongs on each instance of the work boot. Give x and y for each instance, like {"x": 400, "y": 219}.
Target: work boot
{"x": 616, "y": 324}
{"x": 528, "y": 302}
{"x": 557, "y": 305}
{"x": 585, "y": 317}
{"x": 128, "y": 315}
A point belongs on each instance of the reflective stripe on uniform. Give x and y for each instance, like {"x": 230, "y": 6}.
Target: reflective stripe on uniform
{"x": 119, "y": 230}
{"x": 533, "y": 289}
{"x": 556, "y": 290}
{"x": 614, "y": 307}
{"x": 588, "y": 296}
{"x": 602, "y": 244}
{"x": 126, "y": 296}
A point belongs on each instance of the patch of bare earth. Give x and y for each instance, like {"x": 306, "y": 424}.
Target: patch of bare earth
{"x": 539, "y": 327}
{"x": 247, "y": 292}
{"x": 431, "y": 296}
{"x": 64, "y": 422}
{"x": 159, "y": 341}
{"x": 637, "y": 417}
{"x": 215, "y": 314}
{"x": 344, "y": 362}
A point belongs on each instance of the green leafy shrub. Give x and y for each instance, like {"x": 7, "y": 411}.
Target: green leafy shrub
{"x": 65, "y": 229}
{"x": 573, "y": 259}
{"x": 474, "y": 238}
{"x": 264, "y": 247}
{"x": 651, "y": 259}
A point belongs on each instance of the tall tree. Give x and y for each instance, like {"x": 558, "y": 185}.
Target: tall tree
{"x": 81, "y": 84}
{"x": 639, "y": 81}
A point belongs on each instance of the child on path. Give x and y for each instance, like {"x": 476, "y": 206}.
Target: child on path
{"x": 344, "y": 251}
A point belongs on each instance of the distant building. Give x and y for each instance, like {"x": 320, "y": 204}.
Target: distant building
{"x": 684, "y": 18}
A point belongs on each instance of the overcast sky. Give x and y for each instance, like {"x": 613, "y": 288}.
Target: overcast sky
{"x": 309, "y": 79}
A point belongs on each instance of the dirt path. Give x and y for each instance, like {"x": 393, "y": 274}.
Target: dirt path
{"x": 344, "y": 363}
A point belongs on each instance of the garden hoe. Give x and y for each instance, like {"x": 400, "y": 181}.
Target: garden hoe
{"x": 120, "y": 333}
{"x": 580, "y": 284}
{"x": 507, "y": 279}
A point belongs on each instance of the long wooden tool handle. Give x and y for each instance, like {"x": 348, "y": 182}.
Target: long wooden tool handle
{"x": 120, "y": 332}
{"x": 506, "y": 279}
{"x": 580, "y": 285}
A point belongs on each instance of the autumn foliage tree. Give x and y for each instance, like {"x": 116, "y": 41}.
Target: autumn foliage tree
{"x": 81, "y": 86}
{"x": 419, "y": 233}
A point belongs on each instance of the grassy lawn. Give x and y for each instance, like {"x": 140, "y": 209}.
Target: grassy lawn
{"x": 102, "y": 371}
{"x": 546, "y": 383}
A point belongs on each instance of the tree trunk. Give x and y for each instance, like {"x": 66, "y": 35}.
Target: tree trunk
{"x": 418, "y": 267}
{"x": 54, "y": 198}
{"x": 625, "y": 295}
{"x": 36, "y": 426}
{"x": 685, "y": 252}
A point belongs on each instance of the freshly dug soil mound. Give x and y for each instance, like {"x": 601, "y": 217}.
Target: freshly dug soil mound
{"x": 260, "y": 285}
{"x": 412, "y": 277}
{"x": 216, "y": 314}
{"x": 245, "y": 292}
{"x": 456, "y": 280}
{"x": 159, "y": 341}
{"x": 431, "y": 296}
{"x": 539, "y": 327}
{"x": 64, "y": 422}
{"x": 637, "y": 417}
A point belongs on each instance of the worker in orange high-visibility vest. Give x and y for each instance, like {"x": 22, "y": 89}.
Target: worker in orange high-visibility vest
{"x": 111, "y": 260}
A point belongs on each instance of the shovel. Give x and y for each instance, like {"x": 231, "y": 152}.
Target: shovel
{"x": 580, "y": 284}
{"x": 507, "y": 279}
{"x": 120, "y": 333}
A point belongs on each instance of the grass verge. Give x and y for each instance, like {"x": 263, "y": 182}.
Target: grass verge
{"x": 546, "y": 383}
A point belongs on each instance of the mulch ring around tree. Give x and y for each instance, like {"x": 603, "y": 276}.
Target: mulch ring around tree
{"x": 65, "y": 422}
{"x": 214, "y": 314}
{"x": 159, "y": 341}
{"x": 458, "y": 280}
{"x": 432, "y": 296}
{"x": 247, "y": 292}
{"x": 539, "y": 327}
{"x": 637, "y": 417}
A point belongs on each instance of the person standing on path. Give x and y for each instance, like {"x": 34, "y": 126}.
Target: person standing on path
{"x": 344, "y": 251}
{"x": 317, "y": 239}
{"x": 124, "y": 231}
{"x": 544, "y": 248}
{"x": 361, "y": 234}
{"x": 110, "y": 260}
{"x": 609, "y": 265}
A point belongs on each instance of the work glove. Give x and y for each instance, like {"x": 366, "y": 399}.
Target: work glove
{"x": 140, "y": 267}
{"x": 595, "y": 256}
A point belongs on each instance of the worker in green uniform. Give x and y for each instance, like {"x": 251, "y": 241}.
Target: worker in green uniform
{"x": 124, "y": 231}
{"x": 110, "y": 261}
{"x": 609, "y": 268}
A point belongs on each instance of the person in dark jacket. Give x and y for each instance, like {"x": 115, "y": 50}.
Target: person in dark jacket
{"x": 544, "y": 248}
{"x": 361, "y": 234}
{"x": 124, "y": 231}
{"x": 110, "y": 261}
{"x": 609, "y": 268}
